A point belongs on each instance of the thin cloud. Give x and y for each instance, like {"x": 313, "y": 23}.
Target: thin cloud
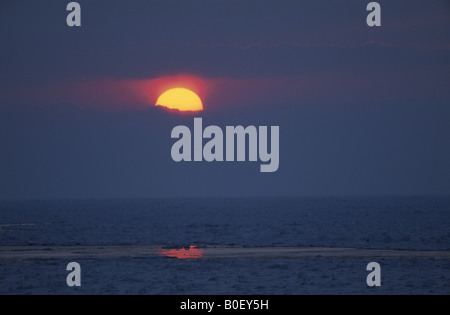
{"x": 322, "y": 45}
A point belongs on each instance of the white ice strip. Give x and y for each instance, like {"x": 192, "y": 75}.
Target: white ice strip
{"x": 15, "y": 253}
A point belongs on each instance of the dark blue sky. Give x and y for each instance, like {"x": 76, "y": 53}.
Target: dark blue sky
{"x": 361, "y": 110}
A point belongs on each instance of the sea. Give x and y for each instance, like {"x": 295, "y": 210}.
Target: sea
{"x": 398, "y": 223}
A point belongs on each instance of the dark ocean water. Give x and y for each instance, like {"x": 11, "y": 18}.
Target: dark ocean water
{"x": 417, "y": 223}
{"x": 375, "y": 222}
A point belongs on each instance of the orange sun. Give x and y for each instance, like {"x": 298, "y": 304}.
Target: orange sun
{"x": 180, "y": 99}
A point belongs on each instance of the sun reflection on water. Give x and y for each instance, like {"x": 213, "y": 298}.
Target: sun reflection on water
{"x": 192, "y": 253}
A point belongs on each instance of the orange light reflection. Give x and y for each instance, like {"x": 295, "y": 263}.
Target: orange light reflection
{"x": 192, "y": 253}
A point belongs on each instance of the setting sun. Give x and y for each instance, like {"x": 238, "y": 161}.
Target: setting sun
{"x": 180, "y": 99}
